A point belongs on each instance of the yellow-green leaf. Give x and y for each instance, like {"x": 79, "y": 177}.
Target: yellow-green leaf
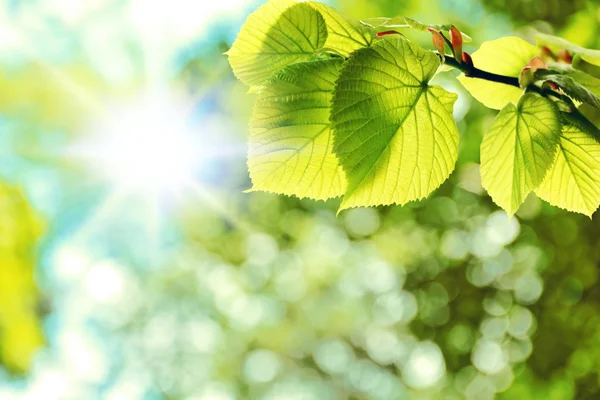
{"x": 291, "y": 144}
{"x": 280, "y": 33}
{"x": 505, "y": 56}
{"x": 556, "y": 43}
{"x": 344, "y": 34}
{"x": 21, "y": 334}
{"x": 394, "y": 134}
{"x": 518, "y": 150}
{"x": 573, "y": 183}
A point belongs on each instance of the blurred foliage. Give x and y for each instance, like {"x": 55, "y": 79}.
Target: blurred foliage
{"x": 20, "y": 325}
{"x": 258, "y": 296}
{"x": 555, "y": 11}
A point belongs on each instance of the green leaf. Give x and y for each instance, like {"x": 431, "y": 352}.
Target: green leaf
{"x": 291, "y": 144}
{"x": 556, "y": 43}
{"x": 584, "y": 66}
{"x": 518, "y": 150}
{"x": 344, "y": 34}
{"x": 573, "y": 183}
{"x": 394, "y": 134}
{"x": 278, "y": 34}
{"x": 588, "y": 81}
{"x": 399, "y": 22}
{"x": 572, "y": 88}
{"x": 505, "y": 56}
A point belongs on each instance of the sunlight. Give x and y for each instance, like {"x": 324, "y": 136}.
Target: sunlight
{"x": 149, "y": 147}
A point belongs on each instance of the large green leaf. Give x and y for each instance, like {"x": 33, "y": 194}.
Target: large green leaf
{"x": 394, "y": 134}
{"x": 291, "y": 144}
{"x": 344, "y": 34}
{"x": 573, "y": 183}
{"x": 278, "y": 34}
{"x": 518, "y": 150}
{"x": 557, "y": 43}
{"x": 505, "y": 56}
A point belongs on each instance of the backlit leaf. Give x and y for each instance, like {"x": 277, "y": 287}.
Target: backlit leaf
{"x": 518, "y": 150}
{"x": 505, "y": 56}
{"x": 556, "y": 44}
{"x": 278, "y": 34}
{"x": 573, "y": 183}
{"x": 344, "y": 35}
{"x": 588, "y": 81}
{"x": 291, "y": 144}
{"x": 394, "y": 134}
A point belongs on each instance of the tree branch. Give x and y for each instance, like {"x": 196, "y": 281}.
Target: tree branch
{"x": 473, "y": 72}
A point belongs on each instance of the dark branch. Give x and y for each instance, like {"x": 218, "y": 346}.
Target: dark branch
{"x": 474, "y": 72}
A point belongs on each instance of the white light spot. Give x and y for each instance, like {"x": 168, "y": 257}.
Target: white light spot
{"x": 521, "y": 322}
{"x": 382, "y": 346}
{"x": 104, "y": 282}
{"x": 425, "y": 366}
{"x": 488, "y": 356}
{"x": 362, "y": 222}
{"x": 394, "y": 307}
{"x": 261, "y": 366}
{"x": 205, "y": 334}
{"x": 528, "y": 288}
{"x": 333, "y": 356}
{"x": 70, "y": 263}
{"x": 502, "y": 229}
{"x": 378, "y": 276}
{"x": 149, "y": 147}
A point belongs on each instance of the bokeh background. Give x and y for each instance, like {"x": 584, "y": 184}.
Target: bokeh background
{"x": 133, "y": 266}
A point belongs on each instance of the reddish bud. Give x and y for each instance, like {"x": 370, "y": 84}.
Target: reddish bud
{"x": 386, "y": 33}
{"x": 527, "y": 76}
{"x": 547, "y": 54}
{"x": 564, "y": 56}
{"x": 537, "y": 63}
{"x": 438, "y": 41}
{"x": 457, "y": 41}
{"x": 466, "y": 59}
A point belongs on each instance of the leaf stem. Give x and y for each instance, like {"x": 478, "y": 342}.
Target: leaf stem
{"x": 473, "y": 72}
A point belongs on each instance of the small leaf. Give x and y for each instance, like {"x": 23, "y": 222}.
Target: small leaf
{"x": 387, "y": 33}
{"x": 573, "y": 183}
{"x": 438, "y": 42}
{"x": 278, "y": 34}
{"x": 457, "y": 42}
{"x": 291, "y": 144}
{"x": 394, "y": 134}
{"x": 405, "y": 22}
{"x": 506, "y": 56}
{"x": 518, "y": 150}
{"x": 558, "y": 44}
{"x": 344, "y": 34}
